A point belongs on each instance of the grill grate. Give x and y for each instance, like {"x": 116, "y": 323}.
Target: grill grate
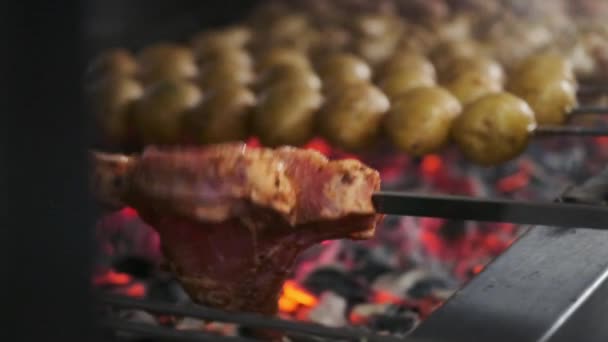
{"x": 242, "y": 319}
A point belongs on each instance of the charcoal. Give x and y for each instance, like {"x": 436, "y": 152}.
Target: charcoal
{"x": 453, "y": 229}
{"x": 337, "y": 281}
{"x": 593, "y": 191}
{"x": 164, "y": 289}
{"x": 371, "y": 270}
{"x": 331, "y": 310}
{"x": 398, "y": 284}
{"x": 138, "y": 316}
{"x": 425, "y": 287}
{"x": 396, "y": 324}
{"x": 135, "y": 266}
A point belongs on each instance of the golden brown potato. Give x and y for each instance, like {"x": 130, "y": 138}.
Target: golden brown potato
{"x": 352, "y": 116}
{"x": 333, "y": 39}
{"x": 230, "y": 38}
{"x": 417, "y": 38}
{"x": 288, "y": 74}
{"x": 285, "y": 114}
{"x": 377, "y": 25}
{"x": 166, "y": 61}
{"x": 157, "y": 115}
{"x": 341, "y": 69}
{"x": 547, "y": 83}
{"x": 281, "y": 56}
{"x": 376, "y": 50}
{"x": 111, "y": 64}
{"x": 217, "y": 75}
{"x": 406, "y": 60}
{"x": 551, "y": 102}
{"x": 237, "y": 58}
{"x": 541, "y": 69}
{"x": 111, "y": 101}
{"x": 222, "y": 116}
{"x": 471, "y": 86}
{"x": 291, "y": 30}
{"x": 287, "y": 27}
{"x": 404, "y": 80}
{"x": 419, "y": 121}
{"x": 494, "y": 129}
{"x": 443, "y": 53}
{"x": 480, "y": 65}
{"x": 376, "y": 36}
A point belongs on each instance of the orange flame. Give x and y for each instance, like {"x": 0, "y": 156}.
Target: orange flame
{"x": 294, "y": 296}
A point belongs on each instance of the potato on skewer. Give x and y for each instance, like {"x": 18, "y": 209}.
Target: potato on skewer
{"x": 208, "y": 43}
{"x": 547, "y": 83}
{"x": 419, "y": 121}
{"x": 166, "y": 61}
{"x": 470, "y": 78}
{"x": 494, "y": 128}
{"x": 342, "y": 69}
{"x": 352, "y": 117}
{"x": 158, "y": 114}
{"x": 405, "y": 71}
{"x": 222, "y": 116}
{"x": 469, "y": 87}
{"x": 111, "y": 64}
{"x": 281, "y": 56}
{"x": 288, "y": 74}
{"x": 285, "y": 114}
{"x": 482, "y": 65}
{"x": 214, "y": 75}
{"x": 111, "y": 102}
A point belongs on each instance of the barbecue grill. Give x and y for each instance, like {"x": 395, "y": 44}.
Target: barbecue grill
{"x": 550, "y": 285}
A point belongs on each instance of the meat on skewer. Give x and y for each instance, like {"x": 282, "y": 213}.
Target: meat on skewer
{"x": 232, "y": 219}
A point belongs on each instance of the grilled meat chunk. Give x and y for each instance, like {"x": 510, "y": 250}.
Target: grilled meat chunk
{"x": 232, "y": 219}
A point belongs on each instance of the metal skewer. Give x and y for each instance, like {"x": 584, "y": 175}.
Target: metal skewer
{"x": 491, "y": 210}
{"x": 597, "y": 110}
{"x": 570, "y": 130}
{"x": 592, "y": 89}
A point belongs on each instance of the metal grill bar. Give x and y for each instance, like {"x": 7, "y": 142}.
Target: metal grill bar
{"x": 545, "y": 131}
{"x": 248, "y": 320}
{"x": 148, "y": 331}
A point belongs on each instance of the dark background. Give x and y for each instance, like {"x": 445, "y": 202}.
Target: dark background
{"x": 135, "y": 23}
{"x": 46, "y": 215}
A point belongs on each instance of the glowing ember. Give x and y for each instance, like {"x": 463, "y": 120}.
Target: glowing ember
{"x": 431, "y": 164}
{"x": 137, "y": 290}
{"x": 287, "y": 305}
{"x": 128, "y": 213}
{"x": 319, "y": 145}
{"x": 293, "y": 296}
{"x": 253, "y": 142}
{"x": 478, "y": 268}
{"x": 384, "y": 297}
{"x": 112, "y": 277}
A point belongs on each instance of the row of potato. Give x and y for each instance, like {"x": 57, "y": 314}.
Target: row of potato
{"x": 272, "y": 80}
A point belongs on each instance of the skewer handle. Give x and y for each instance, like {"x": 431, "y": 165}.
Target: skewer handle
{"x": 570, "y": 130}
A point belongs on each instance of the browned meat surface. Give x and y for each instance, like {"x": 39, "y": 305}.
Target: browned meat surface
{"x": 232, "y": 219}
